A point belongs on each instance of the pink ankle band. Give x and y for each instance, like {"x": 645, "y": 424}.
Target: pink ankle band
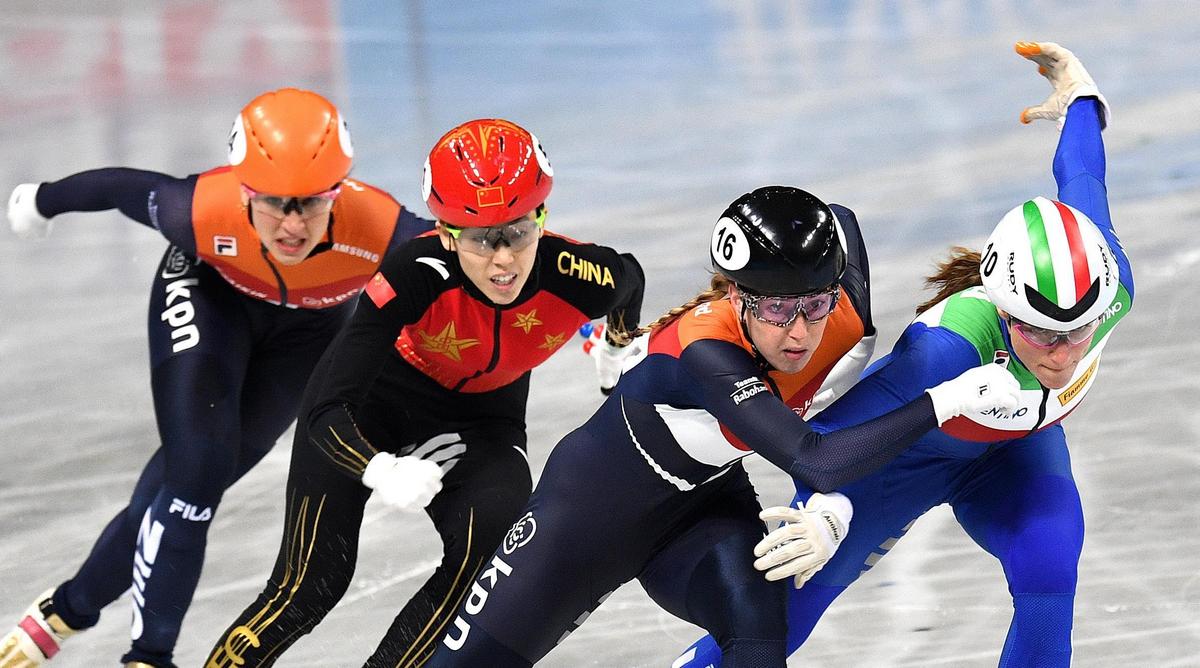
{"x": 39, "y": 636}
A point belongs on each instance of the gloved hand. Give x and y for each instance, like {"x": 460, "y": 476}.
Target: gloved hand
{"x": 807, "y": 540}
{"x": 1069, "y": 78}
{"x": 23, "y": 214}
{"x": 975, "y": 390}
{"x": 407, "y": 483}
{"x": 610, "y": 359}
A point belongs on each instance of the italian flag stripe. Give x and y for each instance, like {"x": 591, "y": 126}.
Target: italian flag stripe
{"x": 1079, "y": 263}
{"x": 1043, "y": 263}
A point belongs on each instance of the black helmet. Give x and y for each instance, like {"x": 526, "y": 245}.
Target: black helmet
{"x": 779, "y": 240}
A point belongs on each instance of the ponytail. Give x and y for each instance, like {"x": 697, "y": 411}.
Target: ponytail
{"x": 954, "y": 274}
{"x": 718, "y": 288}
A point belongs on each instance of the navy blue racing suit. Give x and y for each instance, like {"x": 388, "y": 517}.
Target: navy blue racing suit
{"x": 233, "y": 337}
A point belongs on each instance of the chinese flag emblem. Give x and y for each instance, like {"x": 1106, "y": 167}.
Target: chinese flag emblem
{"x": 379, "y": 290}
{"x": 493, "y": 196}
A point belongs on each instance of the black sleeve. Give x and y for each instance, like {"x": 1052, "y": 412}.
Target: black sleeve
{"x": 408, "y": 225}
{"x": 731, "y": 389}
{"x": 359, "y": 354}
{"x": 856, "y": 281}
{"x": 595, "y": 279}
{"x": 155, "y": 200}
{"x": 627, "y": 314}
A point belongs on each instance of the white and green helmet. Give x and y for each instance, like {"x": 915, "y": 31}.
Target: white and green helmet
{"x": 1047, "y": 264}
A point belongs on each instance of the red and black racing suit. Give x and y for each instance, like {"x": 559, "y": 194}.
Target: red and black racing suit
{"x": 428, "y": 367}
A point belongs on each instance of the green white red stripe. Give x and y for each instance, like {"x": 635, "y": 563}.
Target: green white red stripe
{"x": 1048, "y": 241}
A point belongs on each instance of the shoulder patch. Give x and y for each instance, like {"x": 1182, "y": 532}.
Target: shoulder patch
{"x": 379, "y": 290}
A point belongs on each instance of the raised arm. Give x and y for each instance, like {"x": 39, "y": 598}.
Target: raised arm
{"x": 1079, "y": 162}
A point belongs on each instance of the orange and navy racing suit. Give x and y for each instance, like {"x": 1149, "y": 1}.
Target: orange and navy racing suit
{"x": 233, "y": 338}
{"x": 652, "y": 487}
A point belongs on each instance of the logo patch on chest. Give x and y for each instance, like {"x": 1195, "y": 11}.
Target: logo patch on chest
{"x": 1071, "y": 392}
{"x": 226, "y": 246}
{"x": 1001, "y": 357}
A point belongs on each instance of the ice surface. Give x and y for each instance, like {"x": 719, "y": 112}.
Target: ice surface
{"x": 655, "y": 115}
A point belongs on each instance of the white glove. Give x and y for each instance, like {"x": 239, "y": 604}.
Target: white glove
{"x": 1069, "y": 78}
{"x": 23, "y": 214}
{"x": 610, "y": 359}
{"x": 807, "y": 540}
{"x": 975, "y": 390}
{"x": 407, "y": 483}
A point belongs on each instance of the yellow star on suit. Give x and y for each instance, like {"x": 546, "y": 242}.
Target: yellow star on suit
{"x": 527, "y": 321}
{"x": 553, "y": 341}
{"x": 446, "y": 342}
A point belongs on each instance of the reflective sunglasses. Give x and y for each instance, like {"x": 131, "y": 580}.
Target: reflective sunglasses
{"x": 1048, "y": 338}
{"x": 307, "y": 207}
{"x": 783, "y": 311}
{"x": 517, "y": 235}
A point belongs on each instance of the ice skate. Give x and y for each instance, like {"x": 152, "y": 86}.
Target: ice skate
{"x": 37, "y": 637}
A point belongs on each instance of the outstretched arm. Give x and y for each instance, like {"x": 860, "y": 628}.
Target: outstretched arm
{"x": 155, "y": 200}
{"x": 733, "y": 392}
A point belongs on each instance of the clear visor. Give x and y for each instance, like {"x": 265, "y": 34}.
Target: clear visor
{"x": 517, "y": 235}
{"x": 1048, "y": 338}
{"x": 782, "y": 311}
{"x": 306, "y": 207}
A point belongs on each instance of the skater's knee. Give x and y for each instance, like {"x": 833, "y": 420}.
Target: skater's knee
{"x": 1042, "y": 569}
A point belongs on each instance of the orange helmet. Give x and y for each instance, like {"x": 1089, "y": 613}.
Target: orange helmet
{"x": 486, "y": 172}
{"x": 290, "y": 142}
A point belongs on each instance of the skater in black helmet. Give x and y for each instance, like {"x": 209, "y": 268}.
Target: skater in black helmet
{"x": 652, "y": 486}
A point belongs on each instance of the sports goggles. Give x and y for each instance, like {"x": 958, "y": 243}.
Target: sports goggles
{"x": 1048, "y": 338}
{"x": 517, "y": 235}
{"x": 309, "y": 206}
{"x": 783, "y": 311}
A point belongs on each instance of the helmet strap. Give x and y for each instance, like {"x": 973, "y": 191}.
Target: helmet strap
{"x": 1006, "y": 334}
{"x": 759, "y": 359}
{"x": 328, "y": 243}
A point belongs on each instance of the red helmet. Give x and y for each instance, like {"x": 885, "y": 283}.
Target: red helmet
{"x": 290, "y": 142}
{"x": 486, "y": 172}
